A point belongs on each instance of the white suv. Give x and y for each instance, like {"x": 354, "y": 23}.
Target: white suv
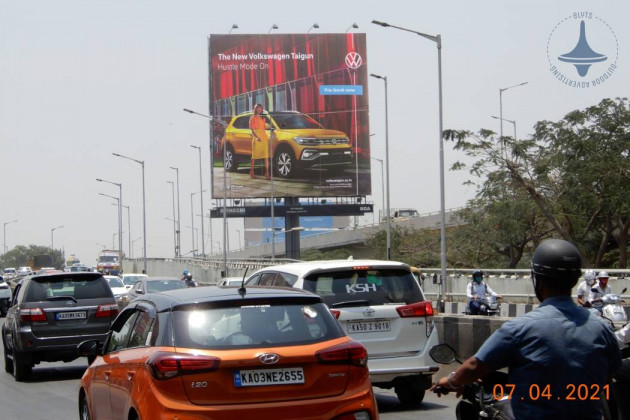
{"x": 378, "y": 303}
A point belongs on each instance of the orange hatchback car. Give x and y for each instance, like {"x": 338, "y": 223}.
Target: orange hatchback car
{"x": 226, "y": 353}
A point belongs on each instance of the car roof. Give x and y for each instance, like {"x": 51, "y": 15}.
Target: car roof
{"x": 134, "y": 274}
{"x": 61, "y": 274}
{"x": 172, "y": 298}
{"x": 301, "y": 268}
{"x": 160, "y": 278}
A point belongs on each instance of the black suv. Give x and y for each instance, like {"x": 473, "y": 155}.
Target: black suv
{"x": 51, "y": 314}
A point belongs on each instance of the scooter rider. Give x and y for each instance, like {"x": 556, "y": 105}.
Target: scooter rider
{"x": 602, "y": 289}
{"x": 477, "y": 289}
{"x": 584, "y": 289}
{"x": 550, "y": 351}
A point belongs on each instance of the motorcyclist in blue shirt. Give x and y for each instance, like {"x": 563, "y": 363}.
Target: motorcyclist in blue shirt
{"x": 552, "y": 352}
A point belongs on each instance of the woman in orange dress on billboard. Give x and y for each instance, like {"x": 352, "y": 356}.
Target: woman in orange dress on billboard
{"x": 260, "y": 140}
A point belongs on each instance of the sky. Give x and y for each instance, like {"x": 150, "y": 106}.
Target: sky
{"x": 82, "y": 79}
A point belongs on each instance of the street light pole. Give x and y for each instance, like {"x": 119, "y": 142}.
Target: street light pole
{"x": 382, "y": 183}
{"x": 120, "y": 251}
{"x": 438, "y": 40}
{"x": 4, "y": 234}
{"x": 501, "y": 90}
{"x": 52, "y": 237}
{"x": 224, "y": 190}
{"x": 178, "y": 249}
{"x": 144, "y": 211}
{"x": 174, "y": 218}
{"x": 389, "y": 222}
{"x": 203, "y": 235}
{"x": 128, "y": 228}
{"x": 513, "y": 122}
{"x": 133, "y": 243}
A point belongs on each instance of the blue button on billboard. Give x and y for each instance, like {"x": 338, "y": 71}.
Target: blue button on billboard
{"x": 341, "y": 89}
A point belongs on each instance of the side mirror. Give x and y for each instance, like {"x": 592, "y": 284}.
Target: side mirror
{"x": 623, "y": 291}
{"x": 140, "y": 292}
{"x": 90, "y": 348}
{"x": 443, "y": 354}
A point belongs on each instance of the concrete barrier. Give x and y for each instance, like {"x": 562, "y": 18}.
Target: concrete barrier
{"x": 466, "y": 333}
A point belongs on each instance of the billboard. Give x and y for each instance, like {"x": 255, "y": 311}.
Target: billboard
{"x": 310, "y": 135}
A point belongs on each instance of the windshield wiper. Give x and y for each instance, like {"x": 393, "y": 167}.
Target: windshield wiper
{"x": 358, "y": 302}
{"x": 62, "y": 298}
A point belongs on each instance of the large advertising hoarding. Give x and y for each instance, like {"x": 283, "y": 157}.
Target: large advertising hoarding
{"x": 311, "y": 138}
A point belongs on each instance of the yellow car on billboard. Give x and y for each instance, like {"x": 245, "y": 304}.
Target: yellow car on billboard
{"x": 297, "y": 142}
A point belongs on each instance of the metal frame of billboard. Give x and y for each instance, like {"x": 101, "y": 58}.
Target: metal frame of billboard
{"x": 321, "y": 75}
{"x": 299, "y": 210}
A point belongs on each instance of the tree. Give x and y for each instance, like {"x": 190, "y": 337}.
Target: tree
{"x": 20, "y": 256}
{"x": 576, "y": 171}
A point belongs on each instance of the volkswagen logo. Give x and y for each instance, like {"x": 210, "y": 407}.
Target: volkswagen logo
{"x": 268, "y": 358}
{"x": 353, "y": 60}
{"x": 369, "y": 312}
{"x": 70, "y": 303}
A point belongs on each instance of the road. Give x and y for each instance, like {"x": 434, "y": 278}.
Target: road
{"x": 51, "y": 394}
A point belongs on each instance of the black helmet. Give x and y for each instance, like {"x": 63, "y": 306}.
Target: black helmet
{"x": 557, "y": 259}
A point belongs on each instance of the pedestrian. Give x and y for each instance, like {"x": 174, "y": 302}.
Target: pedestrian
{"x": 260, "y": 140}
{"x": 551, "y": 352}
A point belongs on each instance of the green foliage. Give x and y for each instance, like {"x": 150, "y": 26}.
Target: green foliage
{"x": 316, "y": 254}
{"x": 570, "y": 180}
{"x": 20, "y": 256}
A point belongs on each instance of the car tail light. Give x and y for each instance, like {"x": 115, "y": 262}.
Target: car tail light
{"x": 169, "y": 365}
{"x": 107, "y": 311}
{"x": 33, "y": 315}
{"x": 335, "y": 312}
{"x": 352, "y": 353}
{"x": 423, "y": 308}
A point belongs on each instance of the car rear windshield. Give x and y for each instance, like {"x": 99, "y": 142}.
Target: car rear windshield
{"x": 164, "y": 285}
{"x": 253, "y": 326}
{"x": 115, "y": 282}
{"x": 131, "y": 280}
{"x": 78, "y": 287}
{"x": 361, "y": 286}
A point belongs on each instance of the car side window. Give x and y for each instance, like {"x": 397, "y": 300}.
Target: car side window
{"x": 242, "y": 122}
{"x": 118, "y": 339}
{"x": 267, "y": 279}
{"x": 284, "y": 280}
{"x": 142, "y": 331}
{"x": 253, "y": 280}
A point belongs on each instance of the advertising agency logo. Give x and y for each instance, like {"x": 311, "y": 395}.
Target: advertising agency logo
{"x": 582, "y": 51}
{"x": 353, "y": 60}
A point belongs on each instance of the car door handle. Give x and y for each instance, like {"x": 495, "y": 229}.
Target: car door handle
{"x": 130, "y": 374}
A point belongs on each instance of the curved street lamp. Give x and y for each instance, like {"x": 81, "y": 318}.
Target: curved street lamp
{"x": 438, "y": 41}
{"x": 144, "y": 211}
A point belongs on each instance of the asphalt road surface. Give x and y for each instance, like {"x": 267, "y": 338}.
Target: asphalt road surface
{"x": 51, "y": 394}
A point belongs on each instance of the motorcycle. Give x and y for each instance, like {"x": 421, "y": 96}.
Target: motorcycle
{"x": 478, "y": 399}
{"x": 489, "y": 306}
{"x": 612, "y": 310}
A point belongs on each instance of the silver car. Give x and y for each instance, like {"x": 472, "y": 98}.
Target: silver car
{"x": 379, "y": 304}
